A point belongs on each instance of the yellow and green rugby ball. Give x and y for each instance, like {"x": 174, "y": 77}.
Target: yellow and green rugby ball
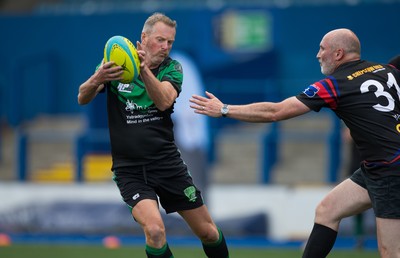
{"x": 121, "y": 50}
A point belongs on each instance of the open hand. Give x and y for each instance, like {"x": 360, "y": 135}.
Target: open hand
{"x": 209, "y": 105}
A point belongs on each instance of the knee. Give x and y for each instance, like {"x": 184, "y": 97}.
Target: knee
{"x": 383, "y": 251}
{"x": 155, "y": 235}
{"x": 324, "y": 211}
{"x": 209, "y": 235}
{"x": 388, "y": 251}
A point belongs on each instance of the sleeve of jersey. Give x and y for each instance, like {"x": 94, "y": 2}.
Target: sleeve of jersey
{"x": 395, "y": 61}
{"x": 174, "y": 76}
{"x": 321, "y": 94}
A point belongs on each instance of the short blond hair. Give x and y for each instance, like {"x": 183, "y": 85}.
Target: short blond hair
{"x": 157, "y": 17}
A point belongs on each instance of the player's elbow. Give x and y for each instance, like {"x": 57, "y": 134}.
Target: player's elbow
{"x": 163, "y": 107}
{"x": 165, "y": 103}
{"x": 273, "y": 113}
{"x": 82, "y": 100}
{"x": 274, "y": 118}
{"x": 280, "y": 116}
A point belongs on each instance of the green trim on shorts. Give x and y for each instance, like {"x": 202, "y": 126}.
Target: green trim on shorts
{"x": 114, "y": 178}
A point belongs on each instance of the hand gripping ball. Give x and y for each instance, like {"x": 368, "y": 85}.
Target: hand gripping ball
{"x": 121, "y": 50}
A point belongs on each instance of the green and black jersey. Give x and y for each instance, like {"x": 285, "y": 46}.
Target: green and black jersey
{"x": 139, "y": 132}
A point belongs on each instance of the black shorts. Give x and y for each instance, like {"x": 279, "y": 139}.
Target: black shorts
{"x": 384, "y": 193}
{"x": 169, "y": 180}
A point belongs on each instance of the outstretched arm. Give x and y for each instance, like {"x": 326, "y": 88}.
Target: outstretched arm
{"x": 260, "y": 112}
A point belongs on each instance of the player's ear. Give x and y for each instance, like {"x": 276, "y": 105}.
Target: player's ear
{"x": 143, "y": 37}
{"x": 339, "y": 53}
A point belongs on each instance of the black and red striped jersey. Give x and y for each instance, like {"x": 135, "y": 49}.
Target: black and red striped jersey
{"x": 366, "y": 96}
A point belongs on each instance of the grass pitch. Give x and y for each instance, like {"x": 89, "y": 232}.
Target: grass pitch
{"x": 96, "y": 251}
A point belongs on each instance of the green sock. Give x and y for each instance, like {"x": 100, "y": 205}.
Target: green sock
{"x": 163, "y": 252}
{"x": 218, "y": 249}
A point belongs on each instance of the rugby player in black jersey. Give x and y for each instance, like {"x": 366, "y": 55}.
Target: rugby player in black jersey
{"x": 366, "y": 96}
{"x": 147, "y": 164}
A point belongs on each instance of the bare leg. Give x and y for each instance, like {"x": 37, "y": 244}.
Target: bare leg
{"x": 201, "y": 224}
{"x": 147, "y": 214}
{"x": 346, "y": 199}
{"x": 388, "y": 232}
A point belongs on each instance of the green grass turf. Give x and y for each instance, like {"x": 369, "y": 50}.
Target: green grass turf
{"x": 95, "y": 251}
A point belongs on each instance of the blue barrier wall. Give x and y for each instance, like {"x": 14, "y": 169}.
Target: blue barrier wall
{"x": 46, "y": 57}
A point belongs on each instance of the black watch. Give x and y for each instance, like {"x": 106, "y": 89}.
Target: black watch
{"x": 224, "y": 110}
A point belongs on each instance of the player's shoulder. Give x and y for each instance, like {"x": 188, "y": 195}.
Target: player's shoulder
{"x": 168, "y": 61}
{"x": 395, "y": 61}
{"x": 357, "y": 69}
{"x": 350, "y": 66}
{"x": 172, "y": 64}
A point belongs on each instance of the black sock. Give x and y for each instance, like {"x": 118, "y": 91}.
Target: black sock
{"x": 163, "y": 252}
{"x": 217, "y": 249}
{"x": 320, "y": 242}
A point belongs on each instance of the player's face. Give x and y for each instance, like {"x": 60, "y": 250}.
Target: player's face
{"x": 326, "y": 58}
{"x": 159, "y": 43}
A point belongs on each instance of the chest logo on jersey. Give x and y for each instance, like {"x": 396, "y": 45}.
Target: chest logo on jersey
{"x": 132, "y": 106}
{"x": 311, "y": 91}
{"x": 128, "y": 88}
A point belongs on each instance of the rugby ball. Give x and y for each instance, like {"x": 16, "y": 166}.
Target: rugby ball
{"x": 121, "y": 50}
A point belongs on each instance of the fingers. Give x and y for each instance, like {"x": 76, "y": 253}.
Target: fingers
{"x": 141, "y": 54}
{"x": 115, "y": 69}
{"x": 198, "y": 102}
{"x": 210, "y": 95}
{"x": 108, "y": 64}
{"x": 111, "y": 67}
{"x": 138, "y": 45}
{"x": 209, "y": 105}
{"x": 199, "y": 109}
{"x": 198, "y": 98}
{"x": 110, "y": 72}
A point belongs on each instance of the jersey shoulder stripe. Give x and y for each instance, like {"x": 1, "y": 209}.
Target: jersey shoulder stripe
{"x": 328, "y": 91}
